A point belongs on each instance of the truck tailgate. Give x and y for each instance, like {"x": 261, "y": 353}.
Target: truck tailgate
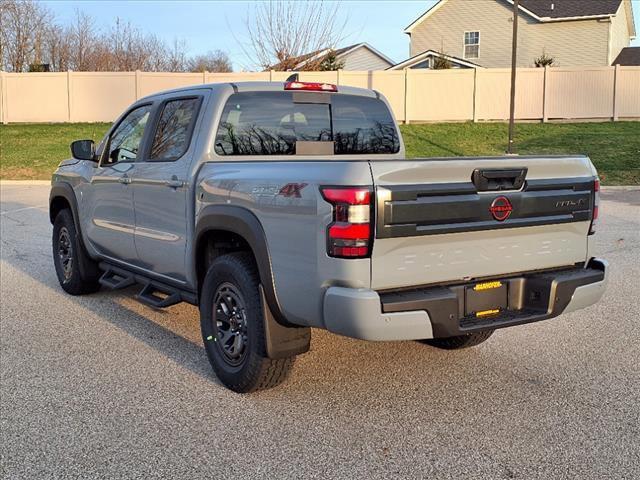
{"x": 438, "y": 221}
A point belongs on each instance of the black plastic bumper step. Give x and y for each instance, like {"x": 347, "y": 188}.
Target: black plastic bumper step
{"x": 116, "y": 280}
{"x": 158, "y": 297}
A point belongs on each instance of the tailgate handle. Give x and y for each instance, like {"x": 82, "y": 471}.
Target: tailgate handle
{"x": 494, "y": 179}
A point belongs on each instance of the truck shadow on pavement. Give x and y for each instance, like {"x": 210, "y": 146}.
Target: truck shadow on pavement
{"x": 368, "y": 371}
{"x": 174, "y": 332}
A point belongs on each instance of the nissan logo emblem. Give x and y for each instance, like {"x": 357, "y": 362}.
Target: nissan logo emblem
{"x": 501, "y": 208}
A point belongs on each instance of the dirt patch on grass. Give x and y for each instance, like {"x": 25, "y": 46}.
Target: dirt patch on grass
{"x": 23, "y": 173}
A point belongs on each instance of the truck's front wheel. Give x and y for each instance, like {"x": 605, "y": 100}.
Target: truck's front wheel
{"x": 460, "y": 341}
{"x": 77, "y": 273}
{"x": 232, "y": 326}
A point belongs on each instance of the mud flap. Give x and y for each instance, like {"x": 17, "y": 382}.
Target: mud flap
{"x": 281, "y": 341}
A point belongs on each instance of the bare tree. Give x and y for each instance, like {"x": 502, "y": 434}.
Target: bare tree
{"x": 83, "y": 39}
{"x": 31, "y": 40}
{"x": 283, "y": 33}
{"x": 128, "y": 48}
{"x": 176, "y": 57}
{"x": 58, "y": 48}
{"x": 157, "y": 55}
{"x": 217, "y": 61}
{"x": 22, "y": 27}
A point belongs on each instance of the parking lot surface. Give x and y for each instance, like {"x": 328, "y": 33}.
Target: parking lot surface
{"x": 102, "y": 386}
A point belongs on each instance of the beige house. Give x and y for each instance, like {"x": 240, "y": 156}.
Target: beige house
{"x": 572, "y": 32}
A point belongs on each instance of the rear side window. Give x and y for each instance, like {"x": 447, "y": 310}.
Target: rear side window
{"x": 270, "y": 123}
{"x": 173, "y": 132}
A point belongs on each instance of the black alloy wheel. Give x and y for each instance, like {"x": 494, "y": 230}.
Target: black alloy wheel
{"x": 65, "y": 254}
{"x": 229, "y": 311}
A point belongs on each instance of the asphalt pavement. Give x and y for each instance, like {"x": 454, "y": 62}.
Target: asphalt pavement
{"x": 103, "y": 387}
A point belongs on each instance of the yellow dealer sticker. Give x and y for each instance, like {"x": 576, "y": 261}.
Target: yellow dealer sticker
{"x": 487, "y": 286}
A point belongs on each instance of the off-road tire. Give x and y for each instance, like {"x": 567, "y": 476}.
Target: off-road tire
{"x": 461, "y": 341}
{"x": 77, "y": 273}
{"x": 253, "y": 370}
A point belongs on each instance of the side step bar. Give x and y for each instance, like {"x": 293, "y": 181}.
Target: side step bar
{"x": 155, "y": 294}
{"x": 156, "y": 297}
{"x": 116, "y": 280}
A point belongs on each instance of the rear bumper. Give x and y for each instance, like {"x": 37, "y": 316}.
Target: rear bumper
{"x": 439, "y": 311}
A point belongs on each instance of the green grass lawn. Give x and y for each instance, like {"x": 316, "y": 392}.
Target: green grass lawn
{"x": 33, "y": 151}
{"x": 614, "y": 148}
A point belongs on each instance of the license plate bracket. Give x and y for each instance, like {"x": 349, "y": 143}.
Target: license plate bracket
{"x": 485, "y": 298}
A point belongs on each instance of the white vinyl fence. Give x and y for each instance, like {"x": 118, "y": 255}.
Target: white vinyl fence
{"x": 608, "y": 93}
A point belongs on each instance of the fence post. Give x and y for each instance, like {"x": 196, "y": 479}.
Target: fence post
{"x": 545, "y": 86}
{"x": 406, "y": 95}
{"x": 616, "y": 76}
{"x": 3, "y": 103}
{"x": 137, "y": 84}
{"x": 271, "y": 75}
{"x": 338, "y": 72}
{"x": 204, "y": 76}
{"x": 69, "y": 87}
{"x": 475, "y": 92}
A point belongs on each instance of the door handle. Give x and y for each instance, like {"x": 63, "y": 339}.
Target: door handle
{"x": 175, "y": 182}
{"x": 495, "y": 179}
{"x": 125, "y": 179}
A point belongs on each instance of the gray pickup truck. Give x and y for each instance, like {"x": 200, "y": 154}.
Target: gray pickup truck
{"x": 276, "y": 207}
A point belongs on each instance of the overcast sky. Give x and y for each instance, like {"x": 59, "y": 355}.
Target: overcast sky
{"x": 216, "y": 25}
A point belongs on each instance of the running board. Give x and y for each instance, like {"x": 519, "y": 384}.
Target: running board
{"x": 154, "y": 293}
{"x": 158, "y": 297}
{"x": 116, "y": 280}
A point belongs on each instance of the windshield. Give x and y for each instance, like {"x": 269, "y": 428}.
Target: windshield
{"x": 271, "y": 123}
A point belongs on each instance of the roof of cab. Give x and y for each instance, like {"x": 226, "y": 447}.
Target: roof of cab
{"x": 258, "y": 87}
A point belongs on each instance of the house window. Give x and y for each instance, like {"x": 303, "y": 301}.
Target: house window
{"x": 422, "y": 64}
{"x": 471, "y": 44}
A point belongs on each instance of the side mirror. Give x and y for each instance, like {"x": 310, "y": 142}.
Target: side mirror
{"x": 84, "y": 150}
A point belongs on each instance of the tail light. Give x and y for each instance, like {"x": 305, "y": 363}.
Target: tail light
{"x": 350, "y": 234}
{"x": 311, "y": 86}
{"x": 596, "y": 205}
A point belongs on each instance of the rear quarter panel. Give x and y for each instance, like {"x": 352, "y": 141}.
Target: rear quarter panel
{"x": 294, "y": 226}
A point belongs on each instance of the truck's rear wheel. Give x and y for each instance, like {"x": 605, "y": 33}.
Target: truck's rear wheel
{"x": 76, "y": 271}
{"x": 460, "y": 341}
{"x": 232, "y": 326}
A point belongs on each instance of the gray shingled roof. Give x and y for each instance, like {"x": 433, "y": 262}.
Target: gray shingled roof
{"x": 340, "y": 51}
{"x": 571, "y": 8}
{"x": 629, "y": 56}
{"x": 306, "y": 56}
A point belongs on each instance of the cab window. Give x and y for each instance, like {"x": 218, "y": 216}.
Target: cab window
{"x": 271, "y": 123}
{"x": 174, "y": 129}
{"x": 125, "y": 140}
